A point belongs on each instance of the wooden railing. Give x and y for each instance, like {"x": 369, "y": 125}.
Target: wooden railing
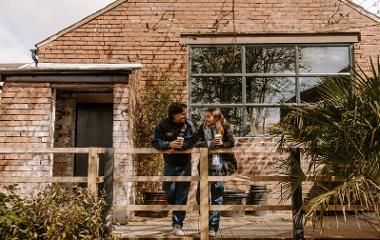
{"x": 93, "y": 179}
{"x": 203, "y": 179}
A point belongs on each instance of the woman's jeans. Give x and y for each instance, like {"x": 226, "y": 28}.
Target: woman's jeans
{"x": 217, "y": 191}
{"x": 176, "y": 192}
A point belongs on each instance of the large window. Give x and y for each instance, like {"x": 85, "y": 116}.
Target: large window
{"x": 250, "y": 83}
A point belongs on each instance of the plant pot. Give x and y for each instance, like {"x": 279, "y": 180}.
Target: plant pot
{"x": 258, "y": 195}
{"x": 153, "y": 198}
{"x": 234, "y": 198}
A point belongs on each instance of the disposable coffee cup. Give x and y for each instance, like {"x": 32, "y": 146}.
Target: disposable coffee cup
{"x": 181, "y": 139}
{"x": 219, "y": 136}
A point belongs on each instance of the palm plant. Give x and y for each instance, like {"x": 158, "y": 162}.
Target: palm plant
{"x": 340, "y": 135}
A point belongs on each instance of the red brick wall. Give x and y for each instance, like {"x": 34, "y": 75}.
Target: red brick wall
{"x": 25, "y": 111}
{"x": 123, "y": 163}
{"x": 148, "y": 32}
{"x": 64, "y": 132}
{"x": 25, "y": 121}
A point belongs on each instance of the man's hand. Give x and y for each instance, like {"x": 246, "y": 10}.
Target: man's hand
{"x": 176, "y": 144}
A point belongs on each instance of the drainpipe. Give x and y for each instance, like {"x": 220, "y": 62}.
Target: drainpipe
{"x": 34, "y": 56}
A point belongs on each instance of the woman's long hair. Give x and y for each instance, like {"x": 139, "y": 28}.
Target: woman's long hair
{"x": 220, "y": 121}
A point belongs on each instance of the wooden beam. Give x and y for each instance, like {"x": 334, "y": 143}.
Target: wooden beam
{"x": 108, "y": 189}
{"x": 93, "y": 169}
{"x": 116, "y": 150}
{"x": 350, "y": 208}
{"x": 100, "y": 179}
{"x": 154, "y": 208}
{"x": 250, "y": 207}
{"x": 249, "y": 179}
{"x": 94, "y": 97}
{"x": 49, "y": 150}
{"x": 94, "y": 86}
{"x": 41, "y": 179}
{"x": 204, "y": 191}
{"x": 156, "y": 178}
{"x": 325, "y": 179}
{"x": 194, "y": 150}
{"x": 149, "y": 151}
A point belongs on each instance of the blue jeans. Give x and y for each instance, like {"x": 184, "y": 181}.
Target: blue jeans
{"x": 176, "y": 192}
{"x": 217, "y": 192}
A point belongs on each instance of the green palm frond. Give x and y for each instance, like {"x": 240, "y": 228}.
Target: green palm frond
{"x": 340, "y": 134}
{"x": 357, "y": 190}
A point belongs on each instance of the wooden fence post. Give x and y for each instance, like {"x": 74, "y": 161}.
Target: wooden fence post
{"x": 108, "y": 188}
{"x": 204, "y": 201}
{"x": 93, "y": 168}
{"x": 297, "y": 212}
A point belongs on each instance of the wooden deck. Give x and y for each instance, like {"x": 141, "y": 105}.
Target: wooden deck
{"x": 271, "y": 226}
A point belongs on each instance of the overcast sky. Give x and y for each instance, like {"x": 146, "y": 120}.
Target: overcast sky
{"x": 24, "y": 23}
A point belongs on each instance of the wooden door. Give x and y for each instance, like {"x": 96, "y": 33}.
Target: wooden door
{"x": 93, "y": 129}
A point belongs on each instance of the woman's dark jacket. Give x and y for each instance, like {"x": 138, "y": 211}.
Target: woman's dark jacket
{"x": 228, "y": 142}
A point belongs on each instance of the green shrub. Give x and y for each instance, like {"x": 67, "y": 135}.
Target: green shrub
{"x": 153, "y": 104}
{"x": 55, "y": 213}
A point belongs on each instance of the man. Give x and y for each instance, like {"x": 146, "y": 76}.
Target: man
{"x": 176, "y": 133}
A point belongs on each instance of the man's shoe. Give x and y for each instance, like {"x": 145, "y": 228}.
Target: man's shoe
{"x": 177, "y": 230}
{"x": 211, "y": 233}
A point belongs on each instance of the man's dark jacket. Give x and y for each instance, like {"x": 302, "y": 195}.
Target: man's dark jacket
{"x": 167, "y": 131}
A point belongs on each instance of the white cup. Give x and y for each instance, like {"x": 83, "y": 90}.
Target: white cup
{"x": 181, "y": 139}
{"x": 219, "y": 136}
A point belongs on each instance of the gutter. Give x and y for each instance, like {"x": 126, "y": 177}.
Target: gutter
{"x": 58, "y": 72}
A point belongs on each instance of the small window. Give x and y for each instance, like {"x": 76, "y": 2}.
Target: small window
{"x": 272, "y": 90}
{"x": 219, "y": 89}
{"x": 215, "y": 60}
{"x": 270, "y": 59}
{"x": 324, "y": 59}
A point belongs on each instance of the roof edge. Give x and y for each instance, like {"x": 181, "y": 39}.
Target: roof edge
{"x": 79, "y": 23}
{"x": 53, "y": 68}
{"x": 361, "y": 10}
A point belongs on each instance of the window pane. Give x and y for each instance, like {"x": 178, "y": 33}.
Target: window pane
{"x": 216, "y": 59}
{"x": 260, "y": 120}
{"x": 309, "y": 92}
{"x": 308, "y": 89}
{"x": 233, "y": 116}
{"x": 324, "y": 59}
{"x": 270, "y": 59}
{"x": 208, "y": 90}
{"x": 273, "y": 90}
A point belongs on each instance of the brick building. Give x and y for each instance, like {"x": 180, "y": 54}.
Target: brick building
{"x": 276, "y": 52}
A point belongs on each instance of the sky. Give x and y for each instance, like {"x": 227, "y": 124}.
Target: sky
{"x": 23, "y": 23}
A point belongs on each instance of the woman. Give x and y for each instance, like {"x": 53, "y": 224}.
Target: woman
{"x": 215, "y": 133}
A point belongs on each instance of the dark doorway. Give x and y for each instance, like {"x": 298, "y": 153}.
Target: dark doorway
{"x": 93, "y": 129}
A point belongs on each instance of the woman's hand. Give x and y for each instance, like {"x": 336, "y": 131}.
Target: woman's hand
{"x": 216, "y": 142}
